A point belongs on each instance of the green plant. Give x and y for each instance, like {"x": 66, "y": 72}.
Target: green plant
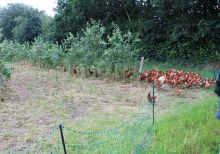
{"x": 91, "y": 51}
{"x": 86, "y": 51}
{"x": 121, "y": 53}
{"x": 5, "y": 74}
{"x": 45, "y": 53}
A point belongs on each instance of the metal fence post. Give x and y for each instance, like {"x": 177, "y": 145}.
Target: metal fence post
{"x": 62, "y": 137}
{"x": 153, "y": 103}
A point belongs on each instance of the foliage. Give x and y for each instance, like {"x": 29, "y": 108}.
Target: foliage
{"x": 7, "y": 50}
{"x": 170, "y": 29}
{"x": 86, "y": 51}
{"x": 72, "y": 15}
{"x": 10, "y": 50}
{"x": 90, "y": 50}
{"x": 45, "y": 53}
{"x": 5, "y": 74}
{"x": 40, "y": 52}
{"x": 20, "y": 22}
{"x": 48, "y": 28}
{"x": 121, "y": 54}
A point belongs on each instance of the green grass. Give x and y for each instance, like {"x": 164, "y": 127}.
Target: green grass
{"x": 189, "y": 129}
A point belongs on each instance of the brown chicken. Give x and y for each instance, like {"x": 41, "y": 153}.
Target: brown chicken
{"x": 151, "y": 98}
{"x": 207, "y": 85}
{"x": 128, "y": 73}
{"x": 143, "y": 77}
{"x": 177, "y": 90}
{"x": 91, "y": 72}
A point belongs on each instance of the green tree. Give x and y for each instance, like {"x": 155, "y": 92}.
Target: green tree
{"x": 20, "y": 22}
{"x": 72, "y": 15}
{"x": 48, "y": 28}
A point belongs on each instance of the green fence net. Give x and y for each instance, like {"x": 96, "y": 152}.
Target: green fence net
{"x": 132, "y": 136}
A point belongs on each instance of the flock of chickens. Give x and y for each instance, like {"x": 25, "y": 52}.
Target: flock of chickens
{"x": 172, "y": 77}
{"x": 176, "y": 78}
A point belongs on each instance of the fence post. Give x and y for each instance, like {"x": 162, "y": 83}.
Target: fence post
{"x": 153, "y": 102}
{"x": 141, "y": 65}
{"x": 62, "y": 137}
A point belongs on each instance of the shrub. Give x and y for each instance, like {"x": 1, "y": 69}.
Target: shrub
{"x": 121, "y": 54}
{"x": 5, "y": 74}
{"x": 46, "y": 53}
{"x": 91, "y": 51}
{"x": 87, "y": 50}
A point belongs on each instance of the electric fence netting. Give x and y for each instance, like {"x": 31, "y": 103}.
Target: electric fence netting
{"x": 132, "y": 136}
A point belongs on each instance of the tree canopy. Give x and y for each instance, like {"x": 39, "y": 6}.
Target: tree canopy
{"x": 168, "y": 29}
{"x": 20, "y": 22}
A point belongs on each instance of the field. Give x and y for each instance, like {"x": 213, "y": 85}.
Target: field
{"x": 101, "y": 77}
{"x": 39, "y": 99}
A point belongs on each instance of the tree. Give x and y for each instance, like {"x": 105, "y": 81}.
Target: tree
{"x": 72, "y": 15}
{"x": 20, "y": 22}
{"x": 48, "y": 28}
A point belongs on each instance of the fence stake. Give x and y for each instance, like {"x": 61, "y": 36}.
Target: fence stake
{"x": 153, "y": 102}
{"x": 62, "y": 137}
{"x": 141, "y": 65}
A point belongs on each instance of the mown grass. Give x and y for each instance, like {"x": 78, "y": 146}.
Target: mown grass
{"x": 188, "y": 129}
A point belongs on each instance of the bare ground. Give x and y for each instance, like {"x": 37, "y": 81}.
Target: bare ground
{"x": 37, "y": 100}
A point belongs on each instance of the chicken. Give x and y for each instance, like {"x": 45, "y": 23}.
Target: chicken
{"x": 143, "y": 77}
{"x": 160, "y": 81}
{"x": 151, "y": 98}
{"x": 73, "y": 71}
{"x": 207, "y": 85}
{"x": 177, "y": 90}
{"x": 188, "y": 84}
{"x": 91, "y": 72}
{"x": 128, "y": 73}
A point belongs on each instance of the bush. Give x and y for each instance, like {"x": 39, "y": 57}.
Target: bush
{"x": 5, "y": 74}
{"x": 86, "y": 51}
{"x": 10, "y": 51}
{"x": 45, "y": 53}
{"x": 182, "y": 52}
{"x": 7, "y": 51}
{"x": 121, "y": 54}
{"x": 91, "y": 51}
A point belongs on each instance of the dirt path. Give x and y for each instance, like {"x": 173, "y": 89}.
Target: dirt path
{"x": 40, "y": 99}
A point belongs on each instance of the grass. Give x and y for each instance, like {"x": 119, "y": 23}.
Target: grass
{"x": 185, "y": 130}
{"x": 53, "y": 97}
{"x": 188, "y": 129}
